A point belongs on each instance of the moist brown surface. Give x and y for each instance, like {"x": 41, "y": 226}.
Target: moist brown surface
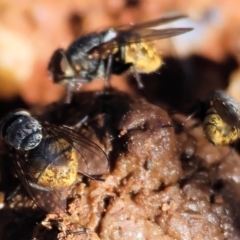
{"x": 165, "y": 182}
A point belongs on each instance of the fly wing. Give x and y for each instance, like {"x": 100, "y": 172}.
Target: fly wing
{"x": 147, "y": 35}
{"x": 143, "y": 32}
{"x": 44, "y": 197}
{"x": 150, "y": 24}
{"x": 140, "y": 35}
{"x": 226, "y": 107}
{"x": 92, "y": 160}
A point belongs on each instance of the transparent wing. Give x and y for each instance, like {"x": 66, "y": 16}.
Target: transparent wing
{"x": 45, "y": 198}
{"x": 149, "y": 34}
{"x": 92, "y": 160}
{"x": 143, "y": 32}
{"x": 153, "y": 23}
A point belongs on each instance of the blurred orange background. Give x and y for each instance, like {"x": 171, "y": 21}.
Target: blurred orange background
{"x": 31, "y": 30}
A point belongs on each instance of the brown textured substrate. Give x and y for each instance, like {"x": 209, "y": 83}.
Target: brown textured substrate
{"x": 165, "y": 182}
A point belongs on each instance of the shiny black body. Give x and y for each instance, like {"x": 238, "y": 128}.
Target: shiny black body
{"x": 21, "y": 131}
{"x": 226, "y": 107}
{"x": 78, "y": 53}
{"x": 99, "y": 54}
{"x": 47, "y": 158}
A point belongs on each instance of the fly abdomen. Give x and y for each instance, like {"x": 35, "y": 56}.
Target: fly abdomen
{"x": 54, "y": 163}
{"x": 217, "y": 131}
{"x": 144, "y": 56}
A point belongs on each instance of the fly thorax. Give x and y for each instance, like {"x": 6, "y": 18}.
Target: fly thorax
{"x": 82, "y": 55}
{"x": 84, "y": 65}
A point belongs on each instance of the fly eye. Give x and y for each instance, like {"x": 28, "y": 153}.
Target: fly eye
{"x": 58, "y": 65}
{"x": 64, "y": 65}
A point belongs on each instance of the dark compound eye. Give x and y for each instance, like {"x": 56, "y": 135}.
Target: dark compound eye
{"x": 21, "y": 131}
{"x": 58, "y": 64}
{"x": 111, "y": 51}
{"x": 49, "y": 158}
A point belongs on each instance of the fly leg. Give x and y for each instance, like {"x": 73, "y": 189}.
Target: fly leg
{"x": 78, "y": 124}
{"x": 135, "y": 72}
{"x": 189, "y": 117}
{"x": 216, "y": 174}
{"x": 74, "y": 85}
{"x": 69, "y": 93}
{"x": 108, "y": 71}
{"x": 140, "y": 84}
{"x": 14, "y": 192}
{"x": 137, "y": 77}
{"x": 197, "y": 110}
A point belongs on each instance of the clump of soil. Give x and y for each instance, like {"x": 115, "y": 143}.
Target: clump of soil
{"x": 165, "y": 181}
